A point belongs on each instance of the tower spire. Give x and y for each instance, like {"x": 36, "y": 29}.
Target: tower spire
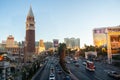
{"x": 30, "y": 13}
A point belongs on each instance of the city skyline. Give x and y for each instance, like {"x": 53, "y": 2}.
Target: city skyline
{"x": 58, "y": 19}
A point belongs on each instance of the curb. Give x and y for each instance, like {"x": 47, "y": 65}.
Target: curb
{"x": 33, "y": 78}
{"x": 73, "y": 76}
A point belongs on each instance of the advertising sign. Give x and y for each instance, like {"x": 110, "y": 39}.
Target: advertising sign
{"x": 115, "y": 43}
{"x": 55, "y": 42}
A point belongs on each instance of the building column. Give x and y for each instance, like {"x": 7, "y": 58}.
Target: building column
{"x": 109, "y": 54}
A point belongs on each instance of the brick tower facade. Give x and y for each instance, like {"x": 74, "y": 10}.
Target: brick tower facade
{"x": 30, "y": 36}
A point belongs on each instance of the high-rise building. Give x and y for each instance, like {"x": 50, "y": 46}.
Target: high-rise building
{"x": 48, "y": 45}
{"x": 72, "y": 43}
{"x": 77, "y": 42}
{"x": 67, "y": 41}
{"x": 30, "y": 36}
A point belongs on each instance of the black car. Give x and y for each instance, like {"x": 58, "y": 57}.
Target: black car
{"x": 59, "y": 71}
{"x": 114, "y": 74}
{"x": 67, "y": 78}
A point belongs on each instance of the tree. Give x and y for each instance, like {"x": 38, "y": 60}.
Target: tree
{"x": 62, "y": 53}
{"x": 102, "y": 51}
{"x": 89, "y": 48}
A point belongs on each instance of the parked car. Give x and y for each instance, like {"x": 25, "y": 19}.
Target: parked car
{"x": 114, "y": 74}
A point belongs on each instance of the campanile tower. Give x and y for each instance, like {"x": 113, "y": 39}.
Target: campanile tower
{"x": 30, "y": 36}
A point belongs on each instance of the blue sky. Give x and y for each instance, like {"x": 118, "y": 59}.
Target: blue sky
{"x": 58, "y": 19}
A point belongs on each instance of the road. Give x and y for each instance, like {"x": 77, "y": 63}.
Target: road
{"x": 45, "y": 72}
{"x": 82, "y": 74}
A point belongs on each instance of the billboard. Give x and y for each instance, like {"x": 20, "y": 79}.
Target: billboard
{"x": 55, "y": 42}
{"x": 99, "y": 37}
{"x": 115, "y": 43}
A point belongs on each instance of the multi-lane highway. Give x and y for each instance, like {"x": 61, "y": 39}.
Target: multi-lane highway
{"x": 46, "y": 70}
{"x": 52, "y": 66}
{"x": 100, "y": 73}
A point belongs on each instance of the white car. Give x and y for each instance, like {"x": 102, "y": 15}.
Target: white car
{"x": 68, "y": 62}
{"x": 52, "y": 76}
{"x": 84, "y": 63}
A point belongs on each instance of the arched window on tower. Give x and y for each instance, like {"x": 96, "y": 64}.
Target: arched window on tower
{"x": 31, "y": 24}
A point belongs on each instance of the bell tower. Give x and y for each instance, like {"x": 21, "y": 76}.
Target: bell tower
{"x": 30, "y": 36}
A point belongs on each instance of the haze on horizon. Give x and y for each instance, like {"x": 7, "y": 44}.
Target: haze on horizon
{"x": 58, "y": 19}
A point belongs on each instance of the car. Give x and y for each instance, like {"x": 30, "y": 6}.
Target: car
{"x": 75, "y": 61}
{"x": 114, "y": 74}
{"x": 52, "y": 69}
{"x": 56, "y": 65}
{"x": 77, "y": 64}
{"x": 59, "y": 71}
{"x": 52, "y": 76}
{"x": 71, "y": 59}
{"x": 84, "y": 63}
{"x": 68, "y": 62}
{"x": 67, "y": 78}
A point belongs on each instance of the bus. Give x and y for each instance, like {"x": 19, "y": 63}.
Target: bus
{"x": 90, "y": 66}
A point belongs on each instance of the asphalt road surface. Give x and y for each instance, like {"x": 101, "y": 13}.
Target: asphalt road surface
{"x": 100, "y": 73}
{"x": 81, "y": 73}
{"x": 45, "y": 72}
